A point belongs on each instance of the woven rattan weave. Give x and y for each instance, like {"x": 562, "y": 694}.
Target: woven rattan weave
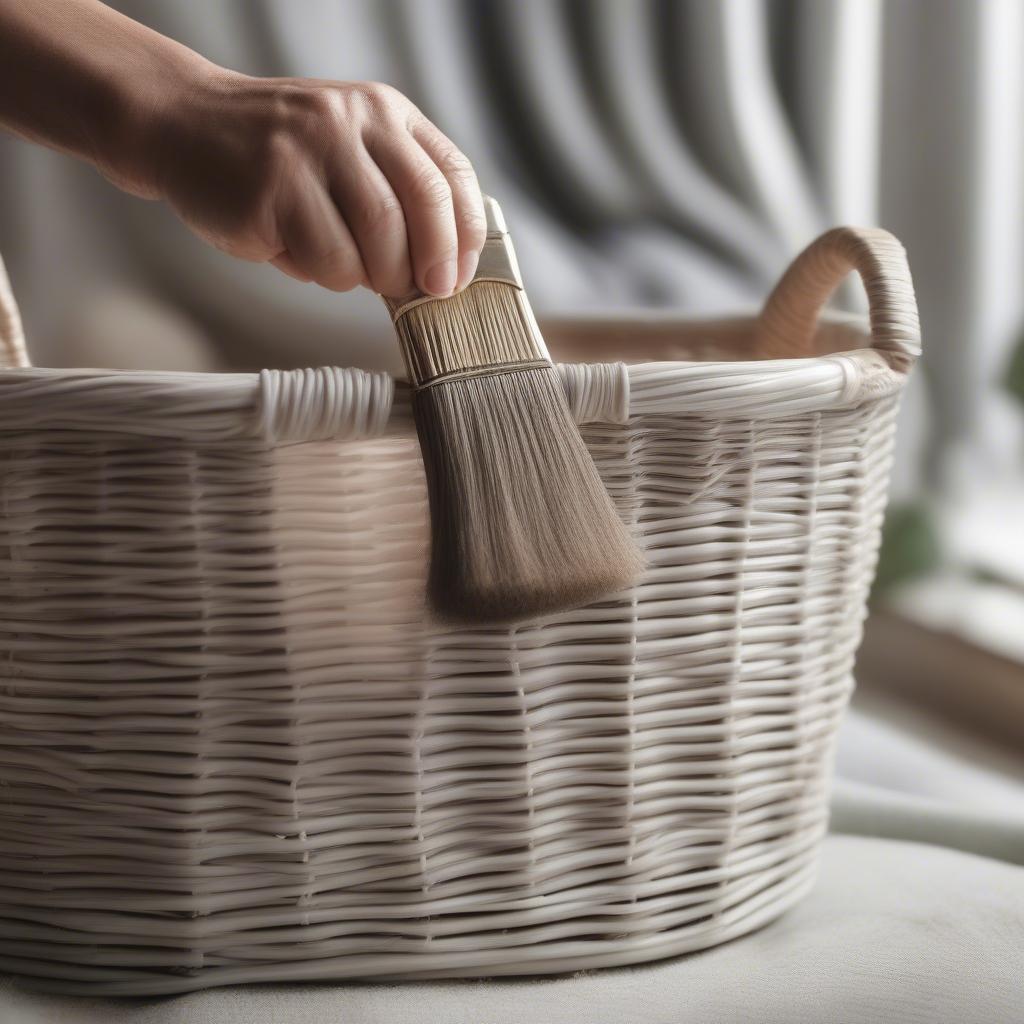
{"x": 233, "y": 749}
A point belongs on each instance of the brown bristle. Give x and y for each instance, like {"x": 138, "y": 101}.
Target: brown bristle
{"x": 521, "y": 523}
{"x": 487, "y": 324}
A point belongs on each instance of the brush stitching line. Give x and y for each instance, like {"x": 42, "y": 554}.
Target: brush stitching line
{"x": 486, "y": 370}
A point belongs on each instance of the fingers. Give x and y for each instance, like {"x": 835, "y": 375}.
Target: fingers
{"x": 318, "y": 245}
{"x": 365, "y": 190}
{"x": 426, "y": 199}
{"x": 467, "y": 201}
{"x": 408, "y": 219}
{"x": 377, "y": 222}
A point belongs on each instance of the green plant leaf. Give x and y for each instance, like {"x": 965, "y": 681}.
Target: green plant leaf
{"x": 910, "y": 546}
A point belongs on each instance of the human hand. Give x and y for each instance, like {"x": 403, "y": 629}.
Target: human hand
{"x": 341, "y": 183}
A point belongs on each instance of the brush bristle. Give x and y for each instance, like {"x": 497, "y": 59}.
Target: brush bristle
{"x": 521, "y": 523}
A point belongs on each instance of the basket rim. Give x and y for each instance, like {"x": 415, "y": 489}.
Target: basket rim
{"x": 855, "y": 324}
{"x": 204, "y": 408}
{"x": 232, "y": 405}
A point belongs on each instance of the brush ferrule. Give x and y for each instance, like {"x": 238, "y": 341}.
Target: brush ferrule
{"x": 487, "y": 328}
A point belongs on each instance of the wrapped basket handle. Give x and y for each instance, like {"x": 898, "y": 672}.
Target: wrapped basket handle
{"x": 788, "y": 320}
{"x": 12, "y": 339}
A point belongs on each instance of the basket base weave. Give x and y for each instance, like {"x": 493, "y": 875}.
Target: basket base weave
{"x": 754, "y": 911}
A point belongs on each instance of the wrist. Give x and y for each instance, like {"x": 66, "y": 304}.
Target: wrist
{"x": 145, "y": 118}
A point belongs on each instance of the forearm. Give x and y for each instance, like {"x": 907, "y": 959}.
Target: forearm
{"x": 81, "y": 78}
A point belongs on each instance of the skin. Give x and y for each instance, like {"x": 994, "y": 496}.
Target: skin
{"x": 341, "y": 183}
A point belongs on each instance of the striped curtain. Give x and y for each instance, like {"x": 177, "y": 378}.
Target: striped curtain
{"x": 647, "y": 153}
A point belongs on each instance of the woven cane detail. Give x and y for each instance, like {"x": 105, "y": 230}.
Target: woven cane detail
{"x": 597, "y": 392}
{"x": 325, "y": 403}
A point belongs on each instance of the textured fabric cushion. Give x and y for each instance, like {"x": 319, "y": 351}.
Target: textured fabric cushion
{"x": 893, "y": 931}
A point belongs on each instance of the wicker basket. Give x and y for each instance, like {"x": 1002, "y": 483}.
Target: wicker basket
{"x": 233, "y": 749}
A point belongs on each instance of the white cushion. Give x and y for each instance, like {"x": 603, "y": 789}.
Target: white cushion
{"x": 892, "y": 932}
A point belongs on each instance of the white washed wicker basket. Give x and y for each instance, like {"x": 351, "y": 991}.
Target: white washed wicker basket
{"x": 232, "y": 747}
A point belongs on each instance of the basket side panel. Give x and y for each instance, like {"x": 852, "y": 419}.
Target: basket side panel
{"x": 144, "y": 682}
{"x": 355, "y": 792}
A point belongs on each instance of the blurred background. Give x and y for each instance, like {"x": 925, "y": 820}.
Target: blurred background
{"x": 673, "y": 154}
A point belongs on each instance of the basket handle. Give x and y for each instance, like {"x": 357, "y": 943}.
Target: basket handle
{"x": 787, "y": 322}
{"x": 12, "y": 338}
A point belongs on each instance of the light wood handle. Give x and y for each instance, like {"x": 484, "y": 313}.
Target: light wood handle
{"x": 788, "y": 320}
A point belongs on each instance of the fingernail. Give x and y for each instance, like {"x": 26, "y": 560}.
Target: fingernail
{"x": 467, "y": 268}
{"x": 440, "y": 279}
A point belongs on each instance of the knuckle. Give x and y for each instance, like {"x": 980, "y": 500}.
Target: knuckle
{"x": 472, "y": 228}
{"x": 379, "y": 214}
{"x": 455, "y": 163}
{"x": 319, "y": 117}
{"x": 299, "y": 109}
{"x": 464, "y": 179}
{"x": 380, "y": 105}
{"x": 429, "y": 188}
{"x": 324, "y": 103}
{"x": 382, "y": 92}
